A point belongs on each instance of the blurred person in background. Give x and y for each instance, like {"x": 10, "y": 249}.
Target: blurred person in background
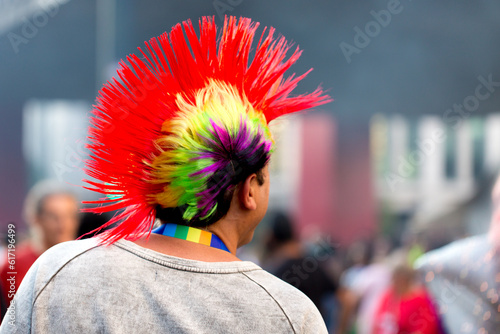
{"x": 464, "y": 278}
{"x": 365, "y": 282}
{"x": 51, "y": 212}
{"x": 359, "y": 255}
{"x": 286, "y": 259}
{"x": 405, "y": 307}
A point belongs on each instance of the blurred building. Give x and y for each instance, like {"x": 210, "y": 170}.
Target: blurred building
{"x": 306, "y": 183}
{"x": 54, "y": 139}
{"x": 431, "y": 172}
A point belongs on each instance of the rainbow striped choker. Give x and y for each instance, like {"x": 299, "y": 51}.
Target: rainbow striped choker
{"x": 191, "y": 234}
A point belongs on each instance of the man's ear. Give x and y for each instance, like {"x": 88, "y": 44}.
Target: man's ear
{"x": 247, "y": 192}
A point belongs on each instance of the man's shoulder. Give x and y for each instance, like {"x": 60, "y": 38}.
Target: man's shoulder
{"x": 67, "y": 250}
{"x": 56, "y": 257}
{"x": 295, "y": 304}
{"x": 273, "y": 284}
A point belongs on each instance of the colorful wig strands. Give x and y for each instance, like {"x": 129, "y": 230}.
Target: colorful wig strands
{"x": 187, "y": 123}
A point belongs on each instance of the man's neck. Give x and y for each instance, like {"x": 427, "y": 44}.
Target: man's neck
{"x": 185, "y": 249}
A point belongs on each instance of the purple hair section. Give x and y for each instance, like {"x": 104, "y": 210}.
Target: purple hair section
{"x": 234, "y": 157}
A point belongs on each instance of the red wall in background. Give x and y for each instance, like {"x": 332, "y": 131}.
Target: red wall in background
{"x": 335, "y": 193}
{"x": 317, "y": 195}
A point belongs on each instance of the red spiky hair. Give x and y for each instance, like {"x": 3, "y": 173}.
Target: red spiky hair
{"x": 128, "y": 116}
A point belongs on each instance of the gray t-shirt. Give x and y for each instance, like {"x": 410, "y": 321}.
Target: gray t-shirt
{"x": 80, "y": 287}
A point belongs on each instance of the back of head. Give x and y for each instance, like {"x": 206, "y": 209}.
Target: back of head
{"x": 215, "y": 142}
{"x": 184, "y": 126}
{"x": 403, "y": 277}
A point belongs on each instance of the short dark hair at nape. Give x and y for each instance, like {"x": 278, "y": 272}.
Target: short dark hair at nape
{"x": 175, "y": 215}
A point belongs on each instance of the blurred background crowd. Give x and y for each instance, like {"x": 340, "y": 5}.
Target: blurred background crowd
{"x": 402, "y": 163}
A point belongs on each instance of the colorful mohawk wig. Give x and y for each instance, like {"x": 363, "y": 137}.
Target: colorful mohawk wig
{"x": 185, "y": 125}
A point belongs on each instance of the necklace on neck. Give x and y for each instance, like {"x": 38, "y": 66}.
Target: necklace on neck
{"x": 191, "y": 234}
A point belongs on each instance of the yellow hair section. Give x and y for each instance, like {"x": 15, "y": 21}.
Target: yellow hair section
{"x": 185, "y": 138}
